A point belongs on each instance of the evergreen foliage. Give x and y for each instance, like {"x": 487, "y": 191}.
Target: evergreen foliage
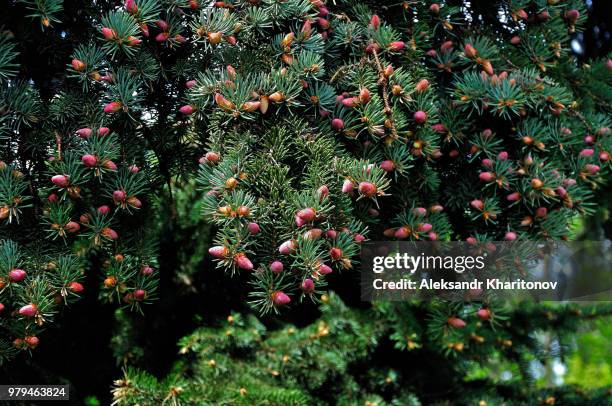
{"x": 318, "y": 126}
{"x": 337, "y": 360}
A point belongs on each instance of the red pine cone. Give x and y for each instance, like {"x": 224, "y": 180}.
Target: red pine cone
{"x": 72, "y": 227}
{"x": 253, "y": 228}
{"x": 324, "y": 269}
{"x": 280, "y": 298}
{"x": 397, "y": 46}
{"x": 347, "y": 186}
{"x": 335, "y": 253}
{"x": 162, "y": 36}
{"x": 402, "y": 232}
{"x": 470, "y": 51}
{"x": 113, "y": 107}
{"x": 375, "y": 22}
{"x": 17, "y": 275}
{"x": 367, "y": 189}
{"x": 308, "y": 285}
{"x": 109, "y": 233}
{"x": 510, "y": 236}
{"x": 323, "y": 191}
{"x": 424, "y": 227}
{"x": 60, "y": 181}
{"x": 32, "y": 341}
{"x": 456, "y": 322}
{"x": 119, "y": 196}
{"x": 110, "y": 165}
{"x": 218, "y": 251}
{"x": 276, "y": 267}
{"x": 243, "y": 262}
{"x": 76, "y": 287}
{"x": 187, "y": 109}
{"x": 313, "y": 234}
{"x": 89, "y": 160}
{"x": 109, "y": 33}
{"x": 477, "y": 204}
{"x": 77, "y": 65}
{"x": 387, "y": 165}
{"x": 349, "y": 102}
{"x": 287, "y": 247}
{"x": 486, "y": 176}
{"x": 337, "y": 124}
{"x": 364, "y": 95}
{"x": 131, "y": 7}
{"x": 134, "y": 202}
{"x": 420, "y": 117}
{"x": 29, "y": 310}
{"x": 572, "y": 15}
{"x": 513, "y": 197}
{"x": 308, "y": 214}
{"x": 483, "y": 314}
{"x": 140, "y": 295}
{"x": 146, "y": 270}
{"x": 419, "y": 211}
{"x": 422, "y": 85}
{"x": 331, "y": 233}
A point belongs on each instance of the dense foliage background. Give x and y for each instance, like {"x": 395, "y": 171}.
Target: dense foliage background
{"x": 202, "y": 154}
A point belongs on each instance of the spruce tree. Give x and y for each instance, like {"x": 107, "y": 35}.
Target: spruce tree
{"x": 310, "y": 127}
{"x": 340, "y": 359}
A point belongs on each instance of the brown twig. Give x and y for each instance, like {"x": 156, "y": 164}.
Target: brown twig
{"x": 383, "y": 81}
{"x": 341, "y": 70}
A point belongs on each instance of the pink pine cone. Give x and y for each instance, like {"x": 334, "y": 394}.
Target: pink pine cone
{"x": 218, "y": 251}
{"x": 29, "y": 310}
{"x": 367, "y": 189}
{"x": 308, "y": 214}
{"x": 323, "y": 191}
{"x": 486, "y": 176}
{"x": 325, "y": 269}
{"x": 60, "y": 181}
{"x": 89, "y": 160}
{"x": 113, "y": 107}
{"x": 347, "y": 186}
{"x": 397, "y": 46}
{"x": 308, "y": 285}
{"x": 243, "y": 262}
{"x": 337, "y": 124}
{"x": 253, "y": 228}
{"x": 387, "y": 165}
{"x": 420, "y": 117}
{"x": 84, "y": 132}
{"x": 280, "y": 298}
{"x": 276, "y": 267}
{"x": 456, "y": 322}
{"x": 287, "y": 247}
{"x": 17, "y": 275}
{"x": 187, "y": 109}
{"x": 119, "y": 196}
